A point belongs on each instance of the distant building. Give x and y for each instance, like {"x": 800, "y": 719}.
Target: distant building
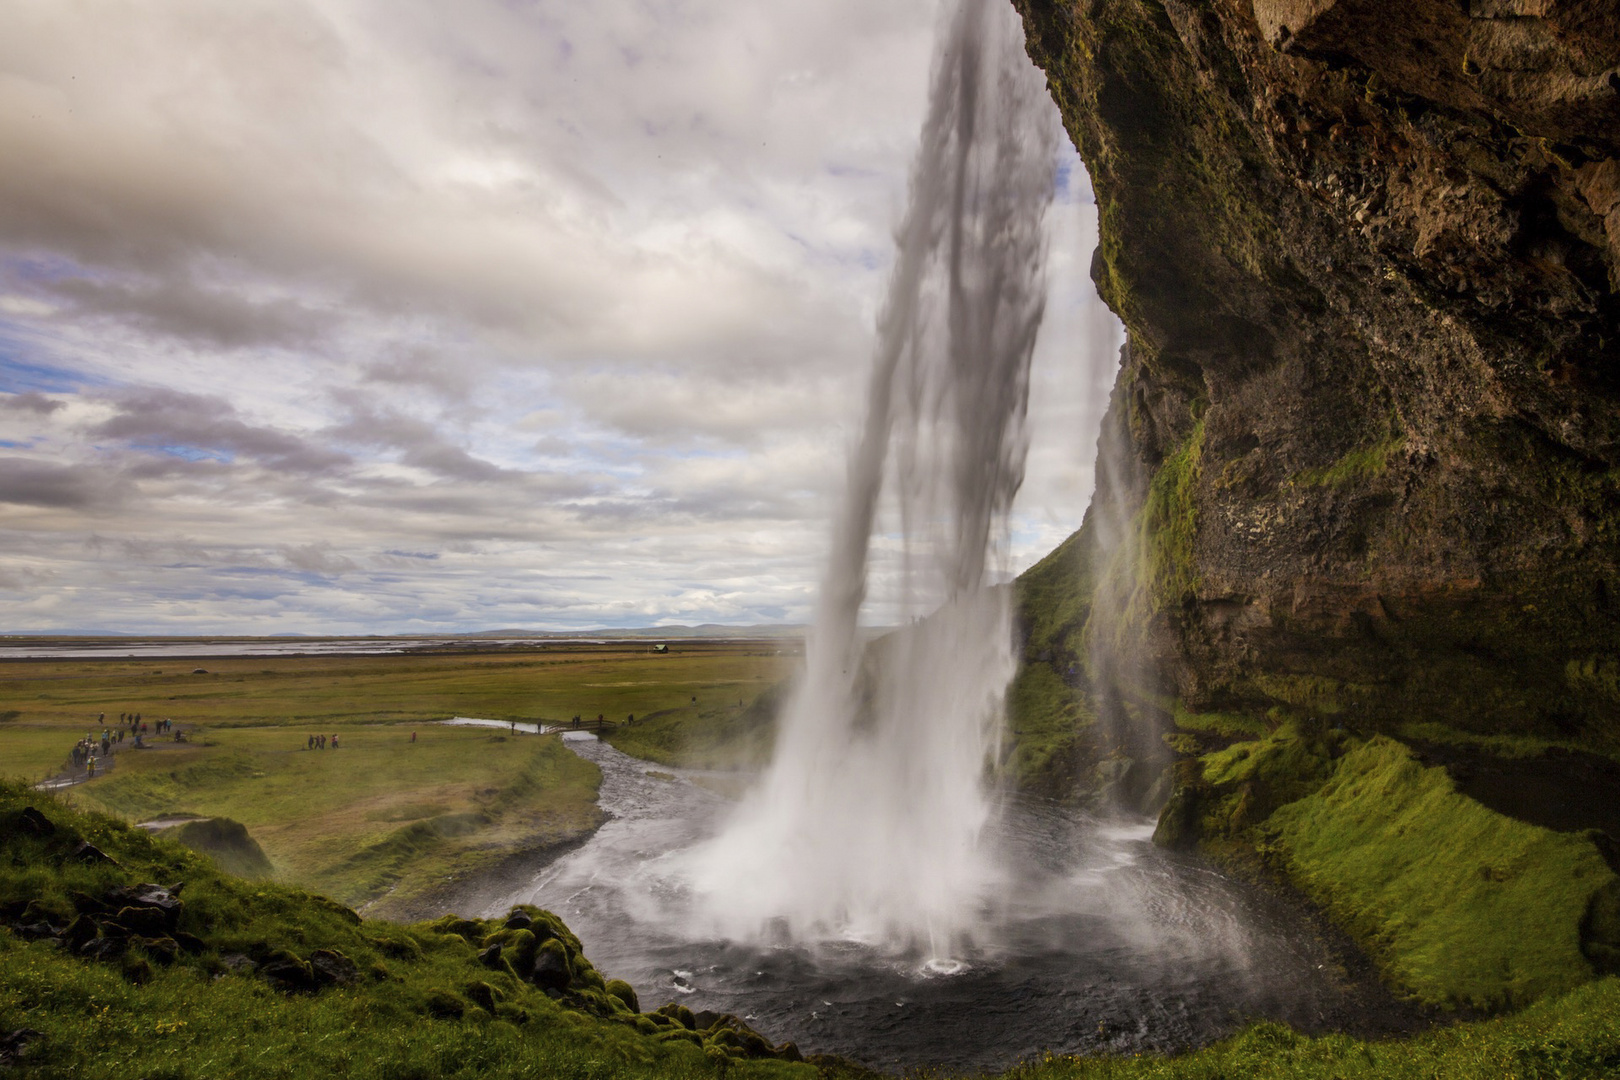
{"x": 660, "y": 648}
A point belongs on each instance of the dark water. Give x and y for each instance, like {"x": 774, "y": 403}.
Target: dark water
{"x": 1099, "y": 942}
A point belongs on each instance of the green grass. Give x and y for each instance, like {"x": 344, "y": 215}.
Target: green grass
{"x": 383, "y": 822}
{"x": 1570, "y": 1037}
{"x": 728, "y": 735}
{"x": 1461, "y": 905}
{"x": 377, "y": 820}
{"x": 550, "y": 683}
{"x": 422, "y": 1006}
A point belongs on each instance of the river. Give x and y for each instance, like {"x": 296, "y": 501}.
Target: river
{"x": 1101, "y": 943}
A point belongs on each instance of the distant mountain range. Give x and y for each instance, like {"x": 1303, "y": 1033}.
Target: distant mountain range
{"x": 710, "y": 630}
{"x": 707, "y": 630}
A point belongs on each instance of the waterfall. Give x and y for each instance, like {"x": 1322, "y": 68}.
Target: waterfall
{"x": 867, "y": 823}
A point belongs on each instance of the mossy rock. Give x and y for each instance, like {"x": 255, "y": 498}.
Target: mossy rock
{"x": 466, "y": 929}
{"x": 679, "y": 1034}
{"x": 680, "y": 1014}
{"x": 518, "y": 949}
{"x": 552, "y": 970}
{"x": 228, "y": 843}
{"x": 444, "y": 1004}
{"x": 623, "y": 991}
{"x": 483, "y": 995}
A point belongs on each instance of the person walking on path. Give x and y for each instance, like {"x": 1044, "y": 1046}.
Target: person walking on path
{"x": 413, "y": 736}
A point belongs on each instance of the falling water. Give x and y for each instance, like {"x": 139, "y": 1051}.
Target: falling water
{"x": 868, "y": 823}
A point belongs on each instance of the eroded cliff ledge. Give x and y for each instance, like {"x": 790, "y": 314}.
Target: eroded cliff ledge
{"x": 1368, "y": 256}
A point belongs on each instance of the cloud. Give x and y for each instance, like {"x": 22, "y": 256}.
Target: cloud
{"x": 181, "y": 309}
{"x": 317, "y": 558}
{"x": 27, "y": 482}
{"x": 175, "y": 421}
{"x": 31, "y": 402}
{"x": 337, "y": 316}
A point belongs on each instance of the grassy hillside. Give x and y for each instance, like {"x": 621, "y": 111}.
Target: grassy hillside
{"x": 1054, "y": 745}
{"x": 719, "y": 735}
{"x": 377, "y": 821}
{"x": 103, "y": 975}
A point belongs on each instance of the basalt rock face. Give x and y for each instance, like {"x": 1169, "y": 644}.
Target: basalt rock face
{"x": 1368, "y": 256}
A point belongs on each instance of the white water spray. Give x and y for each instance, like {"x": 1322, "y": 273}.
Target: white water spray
{"x": 868, "y": 822}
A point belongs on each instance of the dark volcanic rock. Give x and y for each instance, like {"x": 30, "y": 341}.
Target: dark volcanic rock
{"x": 1367, "y": 255}
{"x": 551, "y": 970}
{"x": 14, "y": 1045}
{"x": 332, "y": 968}
{"x": 87, "y": 852}
{"x": 34, "y": 823}
{"x": 154, "y": 898}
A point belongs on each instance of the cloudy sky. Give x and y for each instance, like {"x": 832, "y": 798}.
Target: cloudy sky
{"x": 339, "y": 316}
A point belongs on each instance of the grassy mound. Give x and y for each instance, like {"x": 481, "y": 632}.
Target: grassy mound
{"x": 210, "y": 975}
{"x": 227, "y": 842}
{"x": 1460, "y": 905}
{"x": 1464, "y": 905}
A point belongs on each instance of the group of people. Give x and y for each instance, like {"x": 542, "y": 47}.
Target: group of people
{"x": 318, "y": 742}
{"x": 92, "y": 753}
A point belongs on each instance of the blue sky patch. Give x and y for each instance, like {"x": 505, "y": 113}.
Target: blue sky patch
{"x": 20, "y": 376}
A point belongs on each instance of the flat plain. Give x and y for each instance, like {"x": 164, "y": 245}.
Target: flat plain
{"x": 406, "y": 810}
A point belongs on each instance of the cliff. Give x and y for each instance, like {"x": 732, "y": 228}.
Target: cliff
{"x": 1367, "y": 256}
{"x": 1347, "y": 602}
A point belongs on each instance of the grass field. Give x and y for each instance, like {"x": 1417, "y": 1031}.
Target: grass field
{"x": 383, "y": 820}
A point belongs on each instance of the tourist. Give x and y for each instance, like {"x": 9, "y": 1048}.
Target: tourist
{"x": 334, "y": 742}
{"x": 413, "y": 736}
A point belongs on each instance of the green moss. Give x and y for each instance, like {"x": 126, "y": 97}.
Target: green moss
{"x": 1502, "y": 746}
{"x": 1314, "y": 693}
{"x": 1046, "y": 717}
{"x": 1461, "y": 905}
{"x": 1362, "y": 463}
{"x": 1168, "y": 526}
{"x": 1229, "y": 725}
{"x": 1597, "y": 676}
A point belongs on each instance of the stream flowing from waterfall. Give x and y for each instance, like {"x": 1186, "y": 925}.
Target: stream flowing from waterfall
{"x": 1108, "y": 944}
